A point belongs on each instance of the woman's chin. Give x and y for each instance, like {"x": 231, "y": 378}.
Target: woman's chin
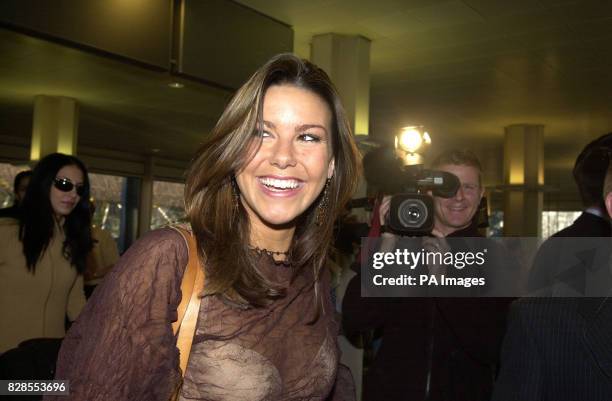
{"x": 278, "y": 221}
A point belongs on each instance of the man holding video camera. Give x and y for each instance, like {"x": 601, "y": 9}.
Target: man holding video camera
{"x": 432, "y": 348}
{"x": 455, "y": 216}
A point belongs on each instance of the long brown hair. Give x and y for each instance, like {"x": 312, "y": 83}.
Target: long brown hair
{"x": 221, "y": 224}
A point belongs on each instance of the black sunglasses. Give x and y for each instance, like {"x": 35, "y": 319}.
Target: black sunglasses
{"x": 65, "y": 185}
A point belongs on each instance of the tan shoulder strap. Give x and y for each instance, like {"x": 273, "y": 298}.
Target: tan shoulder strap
{"x": 191, "y": 287}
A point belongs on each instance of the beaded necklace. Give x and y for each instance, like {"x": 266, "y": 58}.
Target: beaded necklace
{"x": 263, "y": 251}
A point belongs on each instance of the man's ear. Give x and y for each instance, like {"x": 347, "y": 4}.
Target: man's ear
{"x": 330, "y": 168}
{"x": 608, "y": 202}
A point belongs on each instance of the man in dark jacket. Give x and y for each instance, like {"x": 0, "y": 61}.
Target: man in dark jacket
{"x": 560, "y": 348}
{"x": 433, "y": 348}
{"x": 589, "y": 173}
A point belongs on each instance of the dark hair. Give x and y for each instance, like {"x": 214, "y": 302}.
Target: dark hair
{"x": 222, "y": 230}
{"x": 37, "y": 219}
{"x": 20, "y": 176}
{"x": 590, "y": 171}
{"x": 607, "y": 187}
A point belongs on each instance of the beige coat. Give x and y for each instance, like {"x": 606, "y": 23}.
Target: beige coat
{"x": 35, "y": 305}
{"x": 102, "y": 257}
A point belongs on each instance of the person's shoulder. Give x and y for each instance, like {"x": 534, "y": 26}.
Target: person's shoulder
{"x": 158, "y": 257}
{"x": 9, "y": 238}
{"x": 8, "y": 226}
{"x": 101, "y": 234}
{"x": 586, "y": 225}
{"x": 569, "y": 231}
{"x": 8, "y": 221}
{"x": 161, "y": 241}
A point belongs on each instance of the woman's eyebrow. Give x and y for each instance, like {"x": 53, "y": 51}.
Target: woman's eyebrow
{"x": 301, "y": 127}
{"x": 305, "y": 127}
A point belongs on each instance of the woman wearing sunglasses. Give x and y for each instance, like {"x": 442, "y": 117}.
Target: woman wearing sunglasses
{"x": 43, "y": 252}
{"x": 261, "y": 196}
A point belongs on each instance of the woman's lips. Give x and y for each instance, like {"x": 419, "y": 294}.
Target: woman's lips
{"x": 280, "y": 187}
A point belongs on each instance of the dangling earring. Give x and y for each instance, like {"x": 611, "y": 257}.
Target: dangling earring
{"x": 323, "y": 205}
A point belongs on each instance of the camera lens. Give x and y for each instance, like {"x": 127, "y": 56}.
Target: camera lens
{"x": 412, "y": 213}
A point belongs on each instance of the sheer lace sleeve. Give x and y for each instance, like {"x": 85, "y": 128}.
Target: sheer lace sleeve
{"x": 122, "y": 347}
{"x": 344, "y": 388}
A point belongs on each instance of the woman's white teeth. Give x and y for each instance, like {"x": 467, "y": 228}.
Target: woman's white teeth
{"x": 279, "y": 184}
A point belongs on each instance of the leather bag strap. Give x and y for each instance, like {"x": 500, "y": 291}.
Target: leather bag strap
{"x": 191, "y": 287}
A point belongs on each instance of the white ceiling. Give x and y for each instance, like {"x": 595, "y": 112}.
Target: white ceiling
{"x": 464, "y": 69}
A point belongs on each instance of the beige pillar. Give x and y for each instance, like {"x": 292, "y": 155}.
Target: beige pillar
{"x": 524, "y": 178}
{"x": 145, "y": 207}
{"x": 55, "y": 126}
{"x": 346, "y": 59}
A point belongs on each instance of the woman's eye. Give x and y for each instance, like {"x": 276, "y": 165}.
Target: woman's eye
{"x": 310, "y": 138}
{"x": 262, "y": 134}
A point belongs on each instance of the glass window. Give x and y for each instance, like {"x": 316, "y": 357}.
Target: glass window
{"x": 7, "y": 176}
{"x": 496, "y": 224}
{"x": 106, "y": 193}
{"x": 553, "y": 221}
{"x": 168, "y": 204}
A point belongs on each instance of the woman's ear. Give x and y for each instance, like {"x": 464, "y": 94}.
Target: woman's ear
{"x": 608, "y": 202}
{"x": 330, "y": 169}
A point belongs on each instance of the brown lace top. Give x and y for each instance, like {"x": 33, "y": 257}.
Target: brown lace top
{"x": 122, "y": 346}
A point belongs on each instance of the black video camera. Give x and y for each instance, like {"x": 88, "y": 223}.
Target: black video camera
{"x": 411, "y": 210}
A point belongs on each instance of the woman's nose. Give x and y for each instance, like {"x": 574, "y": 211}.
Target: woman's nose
{"x": 283, "y": 154}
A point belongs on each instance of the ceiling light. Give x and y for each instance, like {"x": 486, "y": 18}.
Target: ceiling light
{"x": 412, "y": 139}
{"x": 176, "y": 85}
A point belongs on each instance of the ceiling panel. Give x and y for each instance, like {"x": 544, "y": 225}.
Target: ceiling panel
{"x": 592, "y": 29}
{"x": 446, "y": 13}
{"x": 464, "y": 68}
{"x": 496, "y": 8}
{"x": 393, "y": 24}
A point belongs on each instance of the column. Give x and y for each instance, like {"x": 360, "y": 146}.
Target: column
{"x": 55, "y": 126}
{"x": 346, "y": 59}
{"x": 524, "y": 179}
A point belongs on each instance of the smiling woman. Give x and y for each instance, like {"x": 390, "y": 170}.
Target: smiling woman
{"x": 281, "y": 156}
{"x": 261, "y": 196}
{"x": 290, "y": 167}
